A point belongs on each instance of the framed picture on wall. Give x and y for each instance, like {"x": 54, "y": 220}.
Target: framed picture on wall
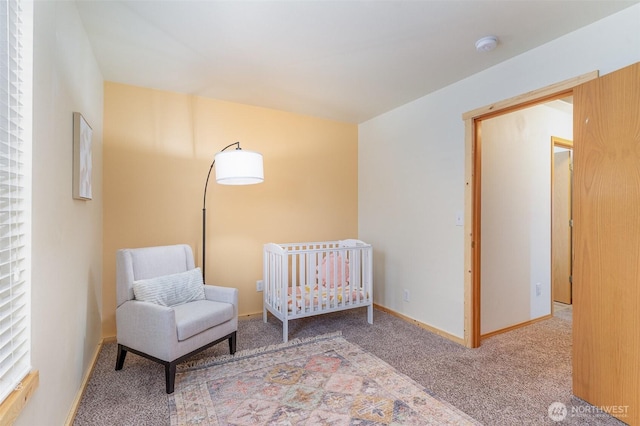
{"x": 82, "y": 134}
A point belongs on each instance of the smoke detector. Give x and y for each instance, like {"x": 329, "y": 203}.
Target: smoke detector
{"x": 486, "y": 44}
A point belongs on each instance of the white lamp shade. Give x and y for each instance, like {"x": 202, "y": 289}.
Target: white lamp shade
{"x": 239, "y": 167}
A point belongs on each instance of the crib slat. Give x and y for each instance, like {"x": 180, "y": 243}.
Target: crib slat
{"x": 344, "y": 279}
{"x": 357, "y": 275}
{"x": 315, "y": 291}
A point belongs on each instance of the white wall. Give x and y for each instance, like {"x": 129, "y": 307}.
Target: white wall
{"x": 67, "y": 234}
{"x": 411, "y": 167}
{"x": 516, "y": 214}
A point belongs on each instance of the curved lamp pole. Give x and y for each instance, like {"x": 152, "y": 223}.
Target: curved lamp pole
{"x": 237, "y": 167}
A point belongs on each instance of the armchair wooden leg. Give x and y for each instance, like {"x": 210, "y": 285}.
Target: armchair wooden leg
{"x": 122, "y": 353}
{"x": 232, "y": 343}
{"x": 170, "y": 375}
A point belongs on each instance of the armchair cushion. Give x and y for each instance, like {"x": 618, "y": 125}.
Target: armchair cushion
{"x": 171, "y": 290}
{"x": 196, "y": 317}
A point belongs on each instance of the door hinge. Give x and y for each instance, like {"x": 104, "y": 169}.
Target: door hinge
{"x": 570, "y": 279}
{"x": 571, "y": 223}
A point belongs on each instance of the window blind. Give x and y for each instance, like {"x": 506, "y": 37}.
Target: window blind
{"x": 15, "y": 163}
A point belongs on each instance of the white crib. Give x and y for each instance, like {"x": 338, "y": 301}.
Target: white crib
{"x": 306, "y": 279}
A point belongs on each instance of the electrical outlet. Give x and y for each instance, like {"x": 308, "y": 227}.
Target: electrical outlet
{"x": 406, "y": 295}
{"x": 259, "y": 285}
{"x": 459, "y": 218}
{"x": 538, "y": 289}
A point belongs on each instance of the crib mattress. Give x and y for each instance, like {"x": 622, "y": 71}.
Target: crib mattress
{"x": 315, "y": 298}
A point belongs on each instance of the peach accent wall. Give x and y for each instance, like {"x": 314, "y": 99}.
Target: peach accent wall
{"x": 158, "y": 147}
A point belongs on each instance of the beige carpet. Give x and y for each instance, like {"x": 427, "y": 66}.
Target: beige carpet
{"x": 512, "y": 379}
{"x": 320, "y": 381}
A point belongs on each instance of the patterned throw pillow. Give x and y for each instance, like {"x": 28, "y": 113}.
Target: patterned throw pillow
{"x": 171, "y": 290}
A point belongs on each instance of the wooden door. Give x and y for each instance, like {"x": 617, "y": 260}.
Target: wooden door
{"x": 561, "y": 229}
{"x": 606, "y": 290}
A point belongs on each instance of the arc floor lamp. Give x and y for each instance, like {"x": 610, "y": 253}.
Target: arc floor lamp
{"x": 237, "y": 167}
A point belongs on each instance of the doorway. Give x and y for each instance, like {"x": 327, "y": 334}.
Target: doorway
{"x": 607, "y": 235}
{"x": 516, "y": 210}
{"x": 473, "y": 191}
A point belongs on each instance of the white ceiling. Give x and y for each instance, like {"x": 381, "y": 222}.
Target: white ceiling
{"x": 342, "y": 60}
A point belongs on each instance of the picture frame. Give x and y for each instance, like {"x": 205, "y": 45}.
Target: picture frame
{"x": 82, "y": 158}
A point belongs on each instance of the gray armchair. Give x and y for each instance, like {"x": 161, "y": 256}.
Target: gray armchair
{"x": 172, "y": 315}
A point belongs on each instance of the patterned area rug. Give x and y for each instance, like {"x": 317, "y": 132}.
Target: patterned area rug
{"x": 320, "y": 381}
